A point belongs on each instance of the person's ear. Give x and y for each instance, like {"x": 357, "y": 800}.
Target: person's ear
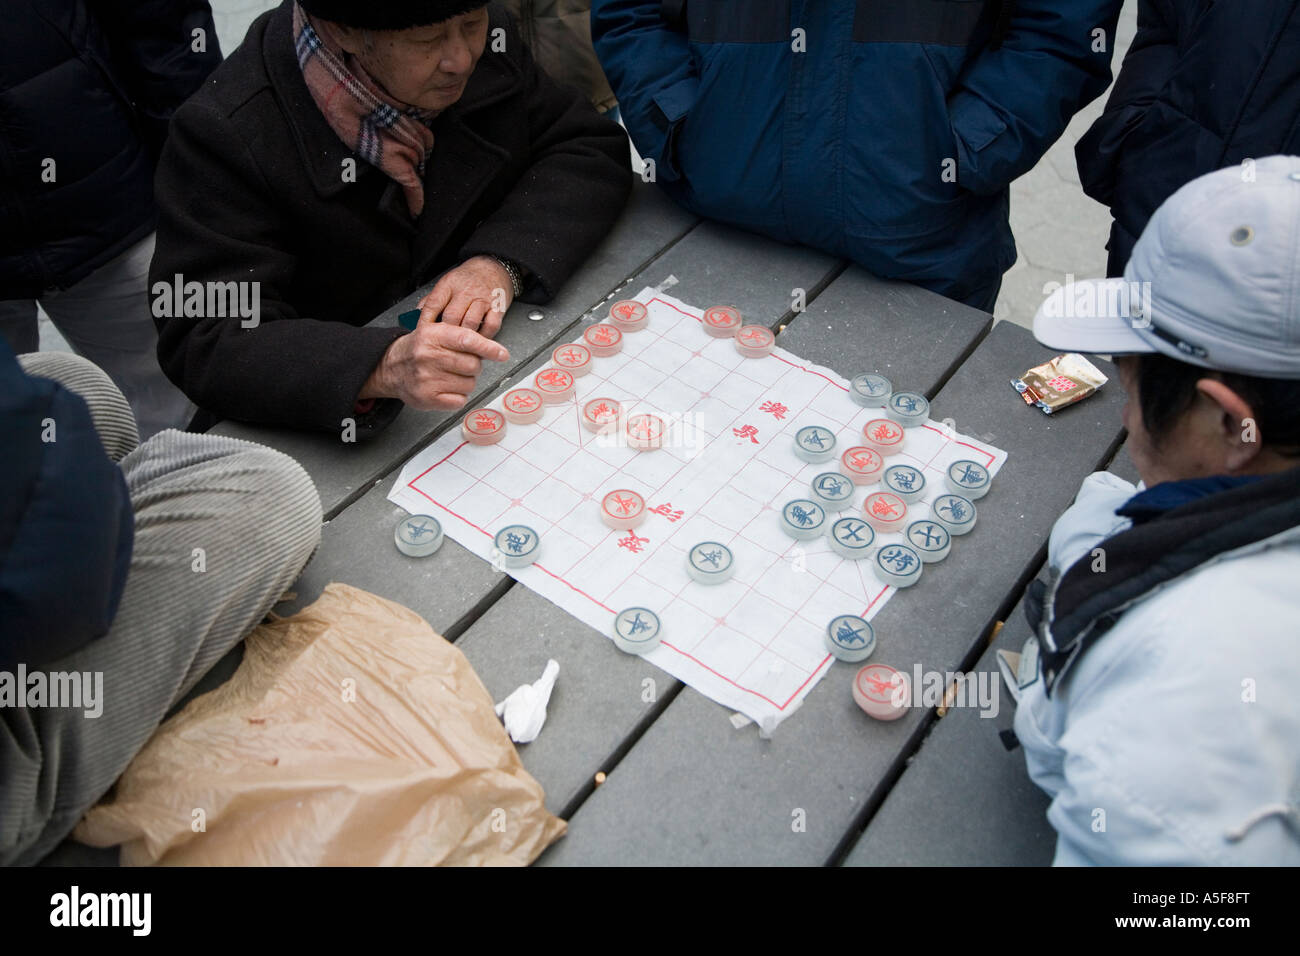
{"x": 351, "y": 39}
{"x": 1235, "y": 432}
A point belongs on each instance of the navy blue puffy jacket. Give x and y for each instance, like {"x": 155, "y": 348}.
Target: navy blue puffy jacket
{"x": 843, "y": 147}
{"x": 1205, "y": 85}
{"x": 66, "y": 524}
{"x": 90, "y": 85}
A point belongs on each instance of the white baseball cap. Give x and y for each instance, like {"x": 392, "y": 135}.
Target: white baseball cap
{"x": 1214, "y": 279}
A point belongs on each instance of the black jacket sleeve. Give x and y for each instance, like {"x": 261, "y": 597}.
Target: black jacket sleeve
{"x": 1148, "y": 65}
{"x": 66, "y": 525}
{"x": 286, "y": 369}
{"x": 575, "y": 187}
{"x": 162, "y": 50}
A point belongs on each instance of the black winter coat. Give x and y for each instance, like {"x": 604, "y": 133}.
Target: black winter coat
{"x": 251, "y": 188}
{"x": 1205, "y": 85}
{"x": 90, "y": 86}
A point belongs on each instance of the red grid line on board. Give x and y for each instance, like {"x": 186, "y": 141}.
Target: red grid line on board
{"x": 735, "y": 534}
{"x": 991, "y": 458}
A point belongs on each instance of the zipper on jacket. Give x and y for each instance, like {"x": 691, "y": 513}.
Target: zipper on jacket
{"x": 528, "y": 23}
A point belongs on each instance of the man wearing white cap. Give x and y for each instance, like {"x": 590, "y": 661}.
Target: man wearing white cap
{"x": 1165, "y": 719}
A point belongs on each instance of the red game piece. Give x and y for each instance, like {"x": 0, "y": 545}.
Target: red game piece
{"x": 722, "y": 321}
{"x": 882, "y": 691}
{"x": 862, "y": 464}
{"x": 622, "y": 510}
{"x": 572, "y": 358}
{"x": 885, "y": 436}
{"x": 523, "y": 406}
{"x": 645, "y": 432}
{"x": 601, "y": 414}
{"x": 483, "y": 426}
{"x": 604, "y": 339}
{"x": 885, "y": 511}
{"x": 629, "y": 315}
{"x": 755, "y": 341}
{"x": 555, "y": 385}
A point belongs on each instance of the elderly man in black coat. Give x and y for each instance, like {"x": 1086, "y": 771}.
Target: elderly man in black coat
{"x": 346, "y": 153}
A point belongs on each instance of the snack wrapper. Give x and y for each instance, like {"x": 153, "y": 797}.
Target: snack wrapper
{"x": 1063, "y": 381}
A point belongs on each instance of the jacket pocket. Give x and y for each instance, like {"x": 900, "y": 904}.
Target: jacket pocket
{"x": 901, "y": 162}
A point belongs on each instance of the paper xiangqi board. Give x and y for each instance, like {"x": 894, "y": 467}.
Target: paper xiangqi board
{"x": 754, "y": 643}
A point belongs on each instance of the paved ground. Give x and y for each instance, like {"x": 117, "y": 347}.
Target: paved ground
{"x": 1059, "y": 230}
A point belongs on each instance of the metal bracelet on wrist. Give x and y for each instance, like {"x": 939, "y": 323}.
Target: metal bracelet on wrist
{"x": 512, "y": 270}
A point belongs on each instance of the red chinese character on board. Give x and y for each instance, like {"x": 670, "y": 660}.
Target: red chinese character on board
{"x": 749, "y": 431}
{"x": 633, "y": 543}
{"x": 1062, "y": 384}
{"x": 553, "y": 377}
{"x": 882, "y": 508}
{"x": 883, "y": 432}
{"x": 775, "y": 408}
{"x": 666, "y": 509}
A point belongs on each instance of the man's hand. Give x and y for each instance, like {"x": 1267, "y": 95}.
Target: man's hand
{"x": 433, "y": 367}
{"x": 475, "y": 295}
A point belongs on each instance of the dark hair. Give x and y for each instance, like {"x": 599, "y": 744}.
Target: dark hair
{"x": 1167, "y": 389}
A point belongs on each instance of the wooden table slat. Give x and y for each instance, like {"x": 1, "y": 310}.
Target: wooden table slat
{"x": 860, "y": 323}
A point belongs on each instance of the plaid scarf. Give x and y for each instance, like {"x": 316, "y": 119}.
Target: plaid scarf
{"x": 389, "y": 135}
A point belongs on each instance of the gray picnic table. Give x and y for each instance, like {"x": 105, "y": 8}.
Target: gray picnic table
{"x": 682, "y": 785}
